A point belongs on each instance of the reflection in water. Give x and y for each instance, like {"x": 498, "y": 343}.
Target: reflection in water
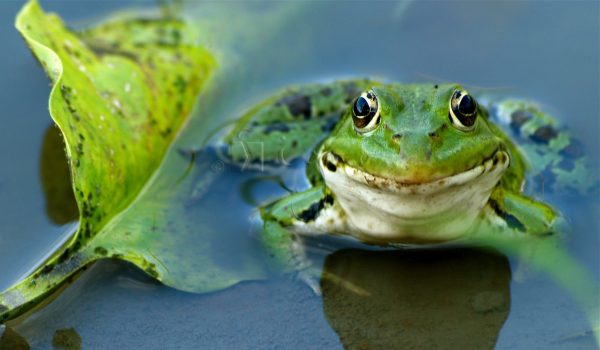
{"x": 416, "y": 299}
{"x": 61, "y": 207}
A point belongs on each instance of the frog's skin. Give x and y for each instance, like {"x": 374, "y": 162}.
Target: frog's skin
{"x": 425, "y": 164}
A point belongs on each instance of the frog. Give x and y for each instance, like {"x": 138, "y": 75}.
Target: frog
{"x": 403, "y": 165}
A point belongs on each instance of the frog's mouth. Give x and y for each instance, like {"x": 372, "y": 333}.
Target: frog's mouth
{"x": 497, "y": 162}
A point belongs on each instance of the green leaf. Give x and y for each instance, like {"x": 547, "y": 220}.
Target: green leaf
{"x": 120, "y": 94}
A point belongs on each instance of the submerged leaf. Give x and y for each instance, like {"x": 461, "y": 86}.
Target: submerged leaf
{"x": 120, "y": 94}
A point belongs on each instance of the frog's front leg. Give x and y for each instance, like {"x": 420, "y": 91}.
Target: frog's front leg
{"x": 516, "y": 214}
{"x": 283, "y": 221}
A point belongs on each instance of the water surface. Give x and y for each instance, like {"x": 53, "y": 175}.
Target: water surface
{"x": 541, "y": 50}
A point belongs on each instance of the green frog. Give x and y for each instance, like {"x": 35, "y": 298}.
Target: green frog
{"x": 404, "y": 164}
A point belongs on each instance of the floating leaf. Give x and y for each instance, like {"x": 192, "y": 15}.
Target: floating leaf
{"x": 120, "y": 94}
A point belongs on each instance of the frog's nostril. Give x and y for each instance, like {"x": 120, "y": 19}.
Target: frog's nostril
{"x": 397, "y": 136}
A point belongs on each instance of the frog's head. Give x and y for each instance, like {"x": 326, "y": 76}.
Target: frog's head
{"x": 415, "y": 161}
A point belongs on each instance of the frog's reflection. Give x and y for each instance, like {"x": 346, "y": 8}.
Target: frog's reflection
{"x": 61, "y": 207}
{"x": 433, "y": 299}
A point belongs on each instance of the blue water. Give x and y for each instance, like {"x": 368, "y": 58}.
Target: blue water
{"x": 547, "y": 51}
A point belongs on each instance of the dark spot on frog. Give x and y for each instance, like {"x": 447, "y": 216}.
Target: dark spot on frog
{"x": 544, "y": 134}
{"x": 277, "y": 126}
{"x": 328, "y": 199}
{"x": 314, "y": 209}
{"x": 428, "y": 153}
{"x": 351, "y": 91}
{"x": 566, "y": 164}
{"x": 518, "y": 118}
{"x": 329, "y": 124}
{"x": 435, "y": 135}
{"x": 574, "y": 150}
{"x": 294, "y": 143}
{"x": 329, "y": 165}
{"x": 326, "y": 91}
{"x": 435, "y": 86}
{"x": 397, "y": 136}
{"x": 298, "y": 104}
{"x": 512, "y": 221}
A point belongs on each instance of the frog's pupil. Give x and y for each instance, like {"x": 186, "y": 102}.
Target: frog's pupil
{"x": 362, "y": 107}
{"x": 467, "y": 105}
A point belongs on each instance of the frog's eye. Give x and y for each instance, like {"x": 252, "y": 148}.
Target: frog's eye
{"x": 463, "y": 110}
{"x": 365, "y": 112}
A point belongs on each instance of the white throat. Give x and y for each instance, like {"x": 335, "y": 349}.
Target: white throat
{"x": 384, "y": 210}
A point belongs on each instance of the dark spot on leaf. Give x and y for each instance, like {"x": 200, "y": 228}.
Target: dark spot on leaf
{"x": 166, "y": 132}
{"x": 79, "y": 148}
{"x": 101, "y": 251}
{"x": 151, "y": 270}
{"x": 47, "y": 269}
{"x": 66, "y": 339}
{"x": 63, "y": 256}
{"x": 180, "y": 84}
{"x": 176, "y": 35}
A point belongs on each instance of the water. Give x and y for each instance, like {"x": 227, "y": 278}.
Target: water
{"x": 542, "y": 50}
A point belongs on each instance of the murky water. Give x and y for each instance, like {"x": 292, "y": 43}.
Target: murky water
{"x": 430, "y": 299}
